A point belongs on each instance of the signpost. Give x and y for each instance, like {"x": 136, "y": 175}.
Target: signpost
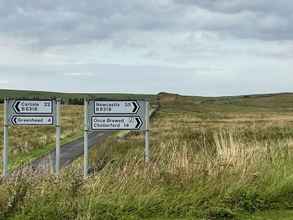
{"x": 86, "y": 147}
{"x": 147, "y": 134}
{"x": 32, "y": 120}
{"x": 98, "y": 116}
{"x": 33, "y": 107}
{"x": 115, "y": 115}
{"x": 116, "y": 123}
{"x": 58, "y": 136}
{"x": 116, "y": 107}
{"x": 31, "y": 112}
{"x": 5, "y": 141}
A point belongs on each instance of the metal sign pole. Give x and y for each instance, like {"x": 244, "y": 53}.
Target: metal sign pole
{"x": 146, "y": 134}
{"x": 58, "y": 136}
{"x": 5, "y": 141}
{"x": 85, "y": 159}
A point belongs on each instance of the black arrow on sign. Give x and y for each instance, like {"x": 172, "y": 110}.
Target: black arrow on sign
{"x": 139, "y": 123}
{"x": 16, "y": 106}
{"x": 14, "y": 120}
{"x": 136, "y": 107}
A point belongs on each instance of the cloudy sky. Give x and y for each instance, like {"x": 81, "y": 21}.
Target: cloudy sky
{"x": 194, "y": 47}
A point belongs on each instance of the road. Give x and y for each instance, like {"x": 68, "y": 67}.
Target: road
{"x": 68, "y": 153}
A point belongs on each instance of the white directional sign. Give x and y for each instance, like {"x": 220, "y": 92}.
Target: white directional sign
{"x": 116, "y": 115}
{"x": 31, "y": 112}
{"x": 116, "y": 123}
{"x": 116, "y": 107}
{"x": 32, "y": 120}
{"x": 33, "y": 107}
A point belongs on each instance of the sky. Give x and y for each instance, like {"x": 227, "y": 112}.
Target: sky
{"x": 191, "y": 47}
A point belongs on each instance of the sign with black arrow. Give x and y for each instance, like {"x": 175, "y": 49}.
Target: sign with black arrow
{"x": 31, "y": 112}
{"x": 116, "y": 107}
{"x": 116, "y": 123}
{"x": 32, "y": 120}
{"x": 116, "y": 115}
{"x": 33, "y": 107}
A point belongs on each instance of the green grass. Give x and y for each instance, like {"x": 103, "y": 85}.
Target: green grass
{"x": 211, "y": 158}
{"x": 271, "y": 215}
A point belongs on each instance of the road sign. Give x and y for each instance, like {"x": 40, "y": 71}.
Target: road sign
{"x": 31, "y": 112}
{"x": 33, "y": 107}
{"x": 116, "y": 115}
{"x": 32, "y": 120}
{"x": 116, "y": 123}
{"x": 116, "y": 107}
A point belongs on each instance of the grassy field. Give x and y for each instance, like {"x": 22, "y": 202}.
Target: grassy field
{"x": 212, "y": 158}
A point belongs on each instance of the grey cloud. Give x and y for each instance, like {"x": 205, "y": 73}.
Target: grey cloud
{"x": 261, "y": 19}
{"x": 57, "y": 22}
{"x": 280, "y": 7}
{"x": 69, "y": 22}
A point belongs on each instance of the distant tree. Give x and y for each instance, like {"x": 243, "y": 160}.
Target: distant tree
{"x": 75, "y": 101}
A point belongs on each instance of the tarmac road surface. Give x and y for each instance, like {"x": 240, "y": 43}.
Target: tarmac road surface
{"x": 68, "y": 153}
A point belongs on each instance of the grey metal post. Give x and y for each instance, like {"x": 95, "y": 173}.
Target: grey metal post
{"x": 5, "y": 141}
{"x": 147, "y": 134}
{"x": 85, "y": 145}
{"x": 58, "y": 136}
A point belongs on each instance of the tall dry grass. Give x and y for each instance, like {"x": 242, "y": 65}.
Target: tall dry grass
{"x": 222, "y": 176}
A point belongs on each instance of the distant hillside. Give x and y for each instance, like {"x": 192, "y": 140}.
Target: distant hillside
{"x": 74, "y": 98}
{"x": 264, "y": 100}
{"x": 249, "y": 103}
